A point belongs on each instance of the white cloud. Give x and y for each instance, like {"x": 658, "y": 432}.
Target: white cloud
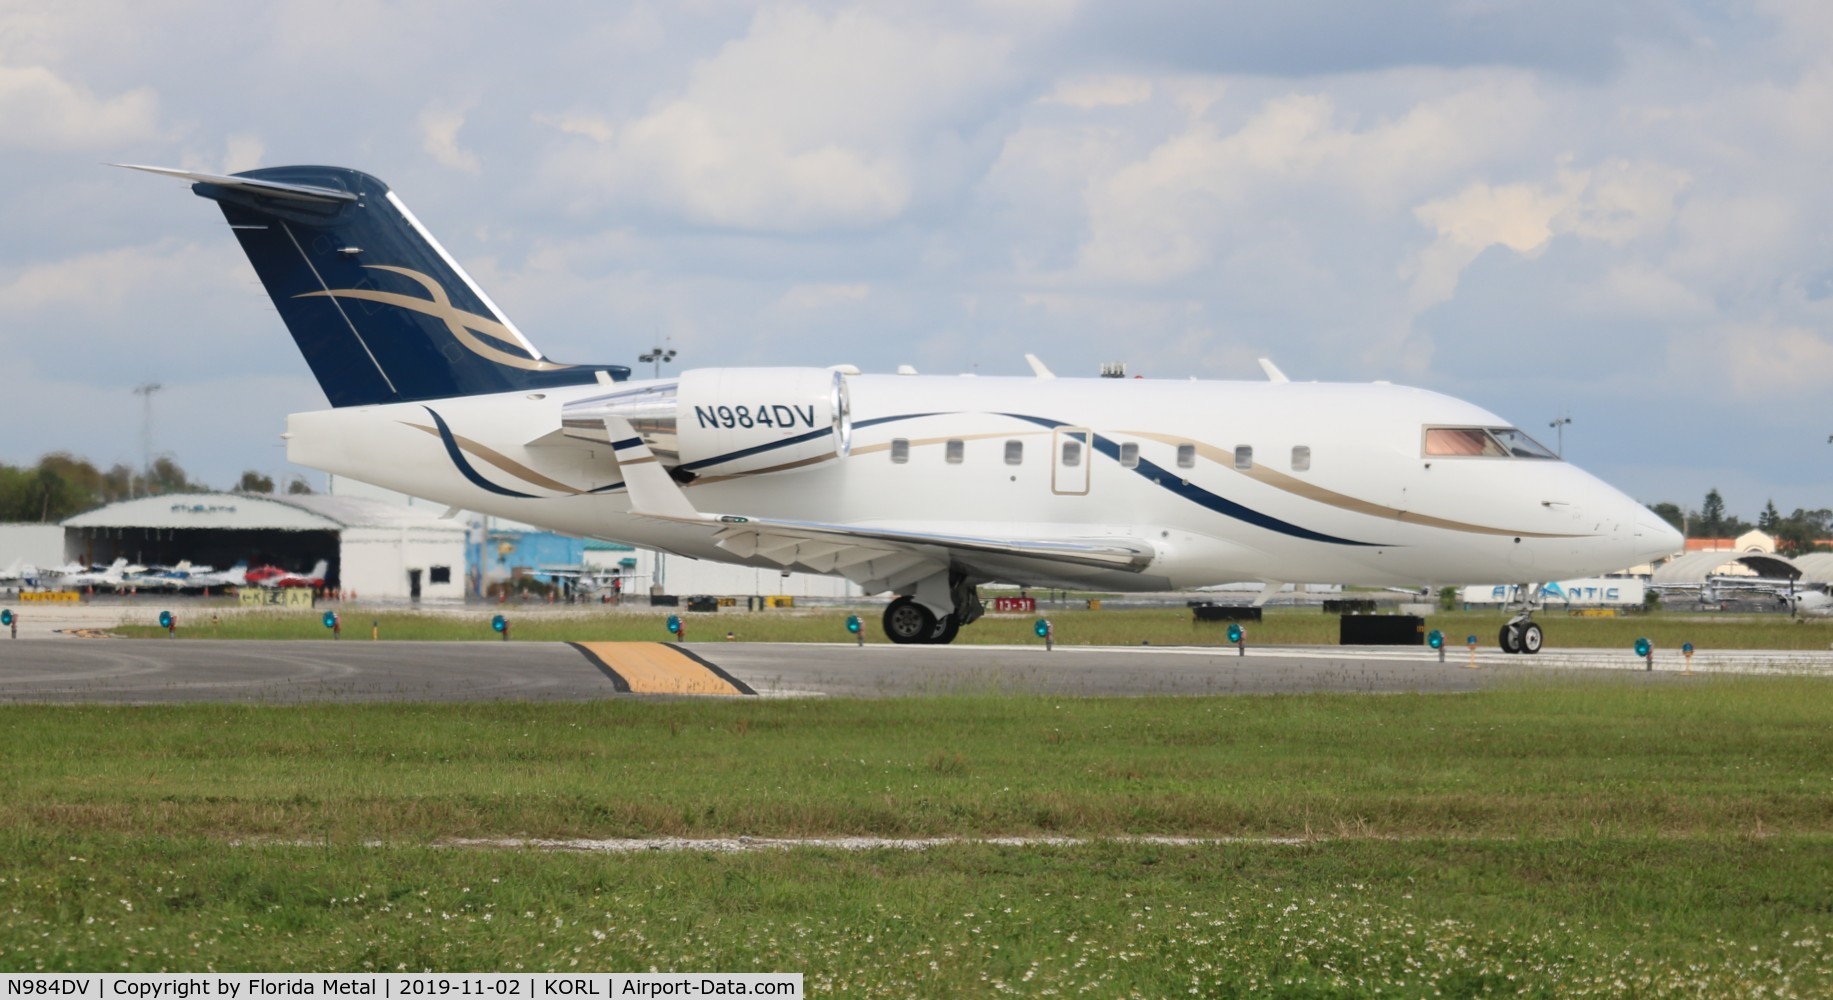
{"x": 1165, "y": 214}
{"x": 805, "y": 298}
{"x": 1765, "y": 360}
{"x": 242, "y": 152}
{"x": 439, "y": 138}
{"x": 1091, "y": 92}
{"x": 809, "y": 122}
{"x": 1617, "y": 203}
{"x": 41, "y": 110}
{"x": 584, "y": 124}
{"x": 101, "y": 283}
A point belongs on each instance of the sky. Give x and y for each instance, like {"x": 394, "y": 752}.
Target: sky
{"x": 1618, "y": 213}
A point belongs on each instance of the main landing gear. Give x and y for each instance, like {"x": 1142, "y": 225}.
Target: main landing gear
{"x": 1521, "y": 635}
{"x": 922, "y": 618}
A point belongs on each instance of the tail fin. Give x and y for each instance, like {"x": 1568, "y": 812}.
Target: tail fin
{"x": 319, "y": 569}
{"x": 379, "y": 309}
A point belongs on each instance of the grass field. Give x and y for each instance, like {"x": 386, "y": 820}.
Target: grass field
{"x": 1718, "y": 918}
{"x": 1553, "y": 840}
{"x": 1160, "y": 626}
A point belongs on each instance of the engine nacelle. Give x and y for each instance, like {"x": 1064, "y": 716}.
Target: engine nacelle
{"x": 725, "y": 421}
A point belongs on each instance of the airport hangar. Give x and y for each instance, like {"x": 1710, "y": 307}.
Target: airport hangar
{"x": 373, "y": 548}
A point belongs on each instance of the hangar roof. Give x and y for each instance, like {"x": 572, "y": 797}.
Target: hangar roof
{"x": 1695, "y": 567}
{"x": 1816, "y": 567}
{"x": 303, "y": 512}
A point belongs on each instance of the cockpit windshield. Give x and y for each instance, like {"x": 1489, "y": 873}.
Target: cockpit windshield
{"x": 1482, "y": 442}
{"x": 1519, "y": 444}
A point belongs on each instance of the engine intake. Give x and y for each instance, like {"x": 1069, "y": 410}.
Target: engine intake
{"x": 725, "y": 421}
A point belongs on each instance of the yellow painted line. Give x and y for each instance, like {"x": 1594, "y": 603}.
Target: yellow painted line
{"x": 660, "y": 668}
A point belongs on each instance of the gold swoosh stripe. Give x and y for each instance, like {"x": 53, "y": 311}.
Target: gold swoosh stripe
{"x": 458, "y": 321}
{"x": 1341, "y": 501}
{"x": 502, "y": 461}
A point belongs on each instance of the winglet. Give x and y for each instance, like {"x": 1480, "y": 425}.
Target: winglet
{"x": 1272, "y": 370}
{"x": 651, "y": 490}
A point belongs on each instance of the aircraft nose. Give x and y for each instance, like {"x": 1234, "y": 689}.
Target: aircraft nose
{"x": 1652, "y": 538}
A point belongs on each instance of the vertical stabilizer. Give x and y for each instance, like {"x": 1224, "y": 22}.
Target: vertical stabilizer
{"x": 379, "y": 309}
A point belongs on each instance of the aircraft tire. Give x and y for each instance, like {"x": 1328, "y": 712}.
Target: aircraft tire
{"x": 1531, "y": 638}
{"x": 946, "y": 630}
{"x": 906, "y": 622}
{"x": 1510, "y": 640}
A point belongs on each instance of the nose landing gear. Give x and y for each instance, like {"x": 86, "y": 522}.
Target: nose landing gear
{"x": 1521, "y": 634}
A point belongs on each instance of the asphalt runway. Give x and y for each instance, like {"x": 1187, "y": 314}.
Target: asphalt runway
{"x": 146, "y": 671}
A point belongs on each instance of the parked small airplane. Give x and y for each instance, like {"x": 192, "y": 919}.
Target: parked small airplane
{"x": 20, "y": 574}
{"x": 109, "y": 577}
{"x": 234, "y": 576}
{"x": 1815, "y": 603}
{"x": 274, "y": 576}
{"x": 922, "y": 486}
{"x": 185, "y": 576}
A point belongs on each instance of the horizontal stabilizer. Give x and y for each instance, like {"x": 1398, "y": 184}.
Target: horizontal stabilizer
{"x": 269, "y": 189}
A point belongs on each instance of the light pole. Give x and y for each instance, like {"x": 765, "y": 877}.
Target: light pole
{"x": 657, "y": 355}
{"x": 1560, "y": 427}
{"x": 145, "y": 391}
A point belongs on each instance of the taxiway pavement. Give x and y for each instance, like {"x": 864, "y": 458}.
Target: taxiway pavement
{"x": 186, "y": 670}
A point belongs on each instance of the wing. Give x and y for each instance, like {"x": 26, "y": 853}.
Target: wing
{"x": 877, "y": 557}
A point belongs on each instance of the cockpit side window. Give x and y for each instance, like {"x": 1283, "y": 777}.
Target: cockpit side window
{"x": 1462, "y": 442}
{"x": 1482, "y": 442}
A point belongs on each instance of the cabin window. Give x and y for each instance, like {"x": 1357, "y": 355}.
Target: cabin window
{"x": 900, "y": 450}
{"x": 1072, "y": 453}
{"x": 1015, "y": 452}
{"x": 1186, "y": 456}
{"x": 954, "y": 450}
{"x": 1244, "y": 457}
{"x": 1129, "y": 455}
{"x": 1301, "y": 457}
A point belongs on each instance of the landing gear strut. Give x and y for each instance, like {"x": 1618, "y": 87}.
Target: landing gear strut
{"x": 936, "y": 612}
{"x": 1521, "y": 635}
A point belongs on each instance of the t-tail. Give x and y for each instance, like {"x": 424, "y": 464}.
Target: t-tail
{"x": 379, "y": 309}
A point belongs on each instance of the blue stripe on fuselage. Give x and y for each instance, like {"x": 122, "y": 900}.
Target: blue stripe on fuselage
{"x": 1167, "y": 480}
{"x": 458, "y": 459}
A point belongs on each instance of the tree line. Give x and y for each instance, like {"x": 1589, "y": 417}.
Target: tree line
{"x": 1797, "y": 533}
{"x": 62, "y": 485}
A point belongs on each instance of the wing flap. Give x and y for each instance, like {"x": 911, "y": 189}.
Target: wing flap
{"x": 878, "y": 557}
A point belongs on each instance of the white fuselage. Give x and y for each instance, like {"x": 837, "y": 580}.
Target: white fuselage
{"x": 1338, "y": 487}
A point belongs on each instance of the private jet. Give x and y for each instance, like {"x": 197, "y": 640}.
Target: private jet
{"x": 923, "y": 487}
